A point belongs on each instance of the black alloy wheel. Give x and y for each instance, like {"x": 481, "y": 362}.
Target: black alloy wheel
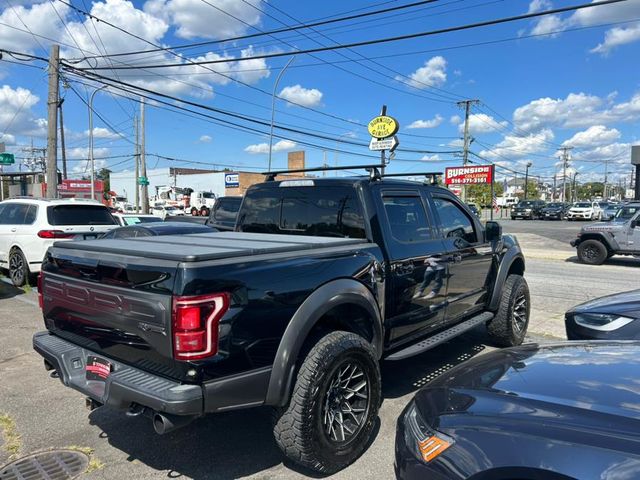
{"x": 18, "y": 268}
{"x": 592, "y": 252}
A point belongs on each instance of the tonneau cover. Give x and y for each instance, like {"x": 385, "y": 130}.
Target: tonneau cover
{"x": 207, "y": 246}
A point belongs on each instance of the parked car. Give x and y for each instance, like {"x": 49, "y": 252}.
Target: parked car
{"x": 582, "y": 211}
{"x": 610, "y": 211}
{"x": 294, "y": 310}
{"x": 154, "y": 229}
{"x": 474, "y": 208}
{"x": 530, "y": 209}
{"x": 598, "y": 209}
{"x": 554, "y": 211}
{"x": 224, "y": 213}
{"x": 614, "y": 317}
{"x": 29, "y": 226}
{"x": 620, "y": 236}
{"x": 561, "y": 411}
{"x": 164, "y": 211}
{"x": 124, "y": 219}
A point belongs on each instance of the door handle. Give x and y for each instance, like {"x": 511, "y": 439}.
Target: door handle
{"x": 14, "y": 229}
{"x": 455, "y": 258}
{"x": 406, "y": 268}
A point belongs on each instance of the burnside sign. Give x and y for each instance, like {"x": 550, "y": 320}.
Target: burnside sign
{"x": 468, "y": 175}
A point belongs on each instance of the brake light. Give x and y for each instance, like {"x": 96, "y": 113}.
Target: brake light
{"x": 195, "y": 321}
{"x": 54, "y": 234}
{"x": 40, "y": 293}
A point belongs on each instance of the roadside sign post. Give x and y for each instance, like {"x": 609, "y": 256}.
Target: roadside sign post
{"x": 143, "y": 181}
{"x": 383, "y": 131}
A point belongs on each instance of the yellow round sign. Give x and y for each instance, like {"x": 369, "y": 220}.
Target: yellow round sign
{"x": 383, "y": 127}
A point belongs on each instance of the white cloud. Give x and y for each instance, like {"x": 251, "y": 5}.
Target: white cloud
{"x": 513, "y": 146}
{"x": 82, "y": 153}
{"x": 616, "y": 152}
{"x": 205, "y": 139}
{"x": 592, "y": 137}
{"x": 16, "y": 115}
{"x": 197, "y": 19}
{"x": 101, "y": 132}
{"x": 482, "y": 123}
{"x": 617, "y": 36}
{"x": 432, "y": 74}
{"x": 577, "y": 110}
{"x": 307, "y": 97}
{"x": 618, "y": 12}
{"x": 455, "y": 120}
{"x": 539, "y": 6}
{"x": 431, "y": 158}
{"x": 433, "y": 123}
{"x": 41, "y": 20}
{"x": 280, "y": 146}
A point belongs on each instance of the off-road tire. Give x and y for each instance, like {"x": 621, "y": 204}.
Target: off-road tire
{"x": 592, "y": 252}
{"x": 204, "y": 212}
{"x": 194, "y": 212}
{"x": 18, "y": 268}
{"x": 509, "y": 326}
{"x": 299, "y": 430}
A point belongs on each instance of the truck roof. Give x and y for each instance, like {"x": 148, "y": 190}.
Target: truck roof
{"x": 343, "y": 181}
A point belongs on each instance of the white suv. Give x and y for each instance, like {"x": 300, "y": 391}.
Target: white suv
{"x": 29, "y": 226}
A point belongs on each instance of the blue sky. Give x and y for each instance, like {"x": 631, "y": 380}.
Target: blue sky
{"x": 568, "y": 79}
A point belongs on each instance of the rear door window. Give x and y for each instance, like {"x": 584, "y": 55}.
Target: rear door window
{"x": 227, "y": 209}
{"x": 407, "y": 218}
{"x": 61, "y": 215}
{"x": 14, "y": 214}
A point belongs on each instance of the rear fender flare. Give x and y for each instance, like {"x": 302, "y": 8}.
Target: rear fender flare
{"x": 513, "y": 254}
{"x": 330, "y": 295}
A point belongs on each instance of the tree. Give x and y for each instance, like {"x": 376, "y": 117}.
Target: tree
{"x": 481, "y": 193}
{"x": 532, "y": 191}
{"x": 103, "y": 174}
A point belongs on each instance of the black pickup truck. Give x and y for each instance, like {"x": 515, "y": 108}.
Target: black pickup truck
{"x": 321, "y": 280}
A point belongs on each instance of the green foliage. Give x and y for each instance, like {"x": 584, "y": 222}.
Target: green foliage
{"x": 481, "y": 193}
{"x": 532, "y": 191}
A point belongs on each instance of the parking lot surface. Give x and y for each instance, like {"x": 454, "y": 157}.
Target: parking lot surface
{"x": 239, "y": 444}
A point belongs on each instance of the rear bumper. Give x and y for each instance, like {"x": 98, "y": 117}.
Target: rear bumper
{"x": 124, "y": 385}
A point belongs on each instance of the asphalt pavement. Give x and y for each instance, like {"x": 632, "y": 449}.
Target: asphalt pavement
{"x": 239, "y": 444}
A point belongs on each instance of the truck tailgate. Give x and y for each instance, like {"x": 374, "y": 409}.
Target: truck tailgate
{"x": 115, "y": 297}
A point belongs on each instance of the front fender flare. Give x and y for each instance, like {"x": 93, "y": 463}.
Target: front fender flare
{"x": 321, "y": 301}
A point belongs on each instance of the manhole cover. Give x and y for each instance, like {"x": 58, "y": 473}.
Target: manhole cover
{"x": 51, "y": 465}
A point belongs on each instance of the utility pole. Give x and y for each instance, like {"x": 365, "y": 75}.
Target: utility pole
{"x": 144, "y": 197}
{"x": 63, "y": 150}
{"x": 137, "y": 158}
{"x": 565, "y": 161}
{"x": 553, "y": 192}
{"x": 467, "y": 141}
{"x": 606, "y": 174}
{"x": 526, "y": 180}
{"x": 52, "y": 123}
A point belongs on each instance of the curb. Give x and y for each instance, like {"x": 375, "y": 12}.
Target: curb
{"x": 548, "y": 255}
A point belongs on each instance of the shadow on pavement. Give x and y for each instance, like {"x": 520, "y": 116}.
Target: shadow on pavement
{"x": 9, "y": 291}
{"x": 237, "y": 444}
{"x": 614, "y": 261}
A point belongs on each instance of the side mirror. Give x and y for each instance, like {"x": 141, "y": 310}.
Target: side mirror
{"x": 634, "y": 223}
{"x": 493, "y": 231}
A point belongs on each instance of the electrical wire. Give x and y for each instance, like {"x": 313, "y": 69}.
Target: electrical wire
{"x": 378, "y": 41}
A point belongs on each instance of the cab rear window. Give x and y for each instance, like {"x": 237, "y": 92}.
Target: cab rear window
{"x": 323, "y": 212}
{"x": 62, "y": 215}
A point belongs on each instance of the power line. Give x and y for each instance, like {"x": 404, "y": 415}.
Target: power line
{"x": 379, "y": 40}
{"x": 271, "y": 32}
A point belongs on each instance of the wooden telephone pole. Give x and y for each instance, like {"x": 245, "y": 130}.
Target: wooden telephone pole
{"x": 52, "y": 123}
{"x": 467, "y": 139}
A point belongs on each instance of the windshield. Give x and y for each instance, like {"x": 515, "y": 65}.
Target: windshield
{"x": 208, "y": 195}
{"x": 526, "y": 204}
{"x": 603, "y": 204}
{"x": 135, "y": 220}
{"x": 554, "y": 205}
{"x": 626, "y": 213}
{"x": 582, "y": 205}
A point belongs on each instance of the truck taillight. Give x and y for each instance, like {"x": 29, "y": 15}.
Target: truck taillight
{"x": 54, "y": 234}
{"x": 195, "y": 321}
{"x": 40, "y": 293}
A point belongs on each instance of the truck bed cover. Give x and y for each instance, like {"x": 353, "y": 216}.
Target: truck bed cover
{"x": 207, "y": 246}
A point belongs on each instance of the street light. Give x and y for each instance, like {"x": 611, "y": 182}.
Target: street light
{"x": 273, "y": 107}
{"x": 526, "y": 180}
{"x": 91, "y": 161}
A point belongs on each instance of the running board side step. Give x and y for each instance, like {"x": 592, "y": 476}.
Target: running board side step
{"x": 442, "y": 337}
